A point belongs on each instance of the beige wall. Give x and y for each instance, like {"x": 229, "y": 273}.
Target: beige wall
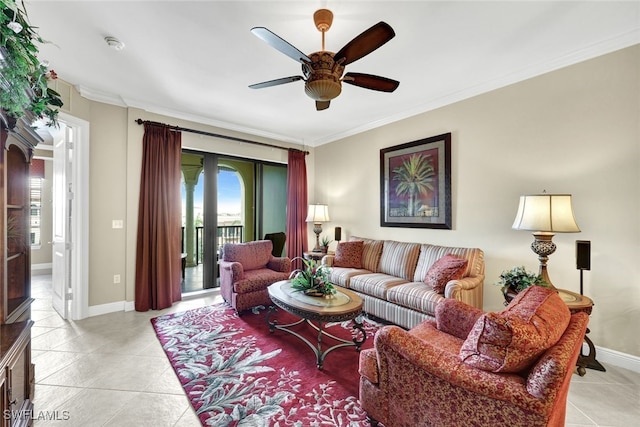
{"x": 575, "y": 131}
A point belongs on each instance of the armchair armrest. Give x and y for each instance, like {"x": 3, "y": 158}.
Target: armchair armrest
{"x": 281, "y": 264}
{"x": 230, "y": 271}
{"x": 456, "y": 317}
{"x": 394, "y": 343}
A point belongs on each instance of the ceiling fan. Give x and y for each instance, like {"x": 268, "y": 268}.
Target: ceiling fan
{"x": 322, "y": 71}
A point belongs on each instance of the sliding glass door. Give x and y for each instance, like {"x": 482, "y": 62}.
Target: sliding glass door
{"x": 226, "y": 200}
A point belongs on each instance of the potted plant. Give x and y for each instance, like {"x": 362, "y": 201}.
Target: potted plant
{"x": 324, "y": 243}
{"x": 312, "y": 279}
{"x": 516, "y": 280}
{"x": 23, "y": 78}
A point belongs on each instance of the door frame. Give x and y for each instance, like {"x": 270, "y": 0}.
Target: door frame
{"x": 79, "y": 307}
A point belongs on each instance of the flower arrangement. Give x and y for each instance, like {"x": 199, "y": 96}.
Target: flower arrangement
{"x": 312, "y": 279}
{"x": 518, "y": 279}
{"x": 23, "y": 78}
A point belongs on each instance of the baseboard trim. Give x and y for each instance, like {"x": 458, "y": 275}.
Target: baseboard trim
{"x": 612, "y": 357}
{"x": 44, "y": 266}
{"x": 112, "y": 307}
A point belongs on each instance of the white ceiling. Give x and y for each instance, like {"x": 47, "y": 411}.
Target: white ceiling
{"x": 195, "y": 59}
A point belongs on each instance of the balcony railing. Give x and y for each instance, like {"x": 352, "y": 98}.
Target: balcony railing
{"x": 226, "y": 234}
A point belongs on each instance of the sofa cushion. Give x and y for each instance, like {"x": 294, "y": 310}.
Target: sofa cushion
{"x": 252, "y": 255}
{"x": 416, "y": 296}
{"x": 512, "y": 339}
{"x": 342, "y": 276}
{"x": 429, "y": 254}
{"x": 349, "y": 254}
{"x": 447, "y": 268}
{"x": 371, "y": 251}
{"x": 374, "y": 284}
{"x": 399, "y": 259}
{"x": 257, "y": 280}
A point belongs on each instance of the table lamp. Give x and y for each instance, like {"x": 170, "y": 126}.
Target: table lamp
{"x": 545, "y": 214}
{"x": 318, "y": 214}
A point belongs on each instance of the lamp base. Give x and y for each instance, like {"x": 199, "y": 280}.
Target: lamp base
{"x": 317, "y": 228}
{"x": 543, "y": 246}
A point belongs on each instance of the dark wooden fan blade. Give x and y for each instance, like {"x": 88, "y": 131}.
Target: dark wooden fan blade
{"x": 372, "y": 82}
{"x": 322, "y": 105}
{"x": 280, "y": 44}
{"x": 365, "y": 43}
{"x": 276, "y": 82}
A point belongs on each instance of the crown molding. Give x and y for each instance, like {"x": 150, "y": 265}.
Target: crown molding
{"x": 621, "y": 41}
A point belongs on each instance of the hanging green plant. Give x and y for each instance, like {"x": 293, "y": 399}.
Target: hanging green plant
{"x": 23, "y": 78}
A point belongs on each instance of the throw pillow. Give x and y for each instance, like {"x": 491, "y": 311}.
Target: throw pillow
{"x": 513, "y": 339}
{"x": 447, "y": 268}
{"x": 371, "y": 252}
{"x": 349, "y": 254}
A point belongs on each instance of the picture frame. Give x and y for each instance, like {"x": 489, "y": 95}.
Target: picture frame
{"x": 415, "y": 184}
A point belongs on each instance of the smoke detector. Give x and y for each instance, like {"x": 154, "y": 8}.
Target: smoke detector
{"x": 114, "y": 43}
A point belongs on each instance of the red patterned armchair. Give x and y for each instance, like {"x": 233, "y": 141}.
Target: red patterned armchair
{"x": 470, "y": 368}
{"x": 246, "y": 270}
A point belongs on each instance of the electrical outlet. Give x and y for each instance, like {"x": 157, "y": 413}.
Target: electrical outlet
{"x": 116, "y": 278}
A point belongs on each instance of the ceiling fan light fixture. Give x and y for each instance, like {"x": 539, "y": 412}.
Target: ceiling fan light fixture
{"x": 322, "y": 89}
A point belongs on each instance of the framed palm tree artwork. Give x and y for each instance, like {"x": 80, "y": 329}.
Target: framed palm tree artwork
{"x": 415, "y": 184}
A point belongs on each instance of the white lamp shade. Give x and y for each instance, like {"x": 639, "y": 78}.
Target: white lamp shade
{"x": 546, "y": 212}
{"x": 318, "y": 213}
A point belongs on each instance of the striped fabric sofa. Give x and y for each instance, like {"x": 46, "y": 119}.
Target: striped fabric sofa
{"x": 391, "y": 280}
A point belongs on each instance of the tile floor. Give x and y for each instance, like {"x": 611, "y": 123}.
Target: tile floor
{"x": 111, "y": 371}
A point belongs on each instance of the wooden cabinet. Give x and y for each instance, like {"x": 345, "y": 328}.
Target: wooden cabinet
{"x": 17, "y": 140}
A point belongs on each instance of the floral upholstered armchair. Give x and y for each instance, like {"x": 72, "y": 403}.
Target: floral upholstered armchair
{"x": 470, "y": 368}
{"x": 246, "y": 270}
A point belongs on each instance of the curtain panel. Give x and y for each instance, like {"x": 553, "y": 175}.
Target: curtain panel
{"x": 296, "y": 205}
{"x": 158, "y": 263}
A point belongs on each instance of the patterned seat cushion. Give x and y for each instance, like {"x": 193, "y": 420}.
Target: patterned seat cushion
{"x": 375, "y": 284}
{"x": 513, "y": 339}
{"x": 416, "y": 296}
{"x": 342, "y": 276}
{"x": 259, "y": 279}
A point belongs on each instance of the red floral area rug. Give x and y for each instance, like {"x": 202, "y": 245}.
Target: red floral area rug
{"x": 236, "y": 373}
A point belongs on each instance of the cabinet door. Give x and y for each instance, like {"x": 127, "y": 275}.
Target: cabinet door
{"x": 6, "y": 409}
{"x": 18, "y": 387}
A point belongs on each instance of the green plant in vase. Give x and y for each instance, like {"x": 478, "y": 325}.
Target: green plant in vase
{"x": 324, "y": 243}
{"x": 518, "y": 279}
{"x": 312, "y": 279}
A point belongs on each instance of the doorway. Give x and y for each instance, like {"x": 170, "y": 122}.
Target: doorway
{"x": 69, "y": 234}
{"x": 225, "y": 200}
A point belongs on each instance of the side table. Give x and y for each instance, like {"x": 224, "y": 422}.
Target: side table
{"x": 316, "y": 256}
{"x": 578, "y": 303}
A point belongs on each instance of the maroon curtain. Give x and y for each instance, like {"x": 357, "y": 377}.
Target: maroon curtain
{"x": 158, "y": 268}
{"x": 296, "y": 204}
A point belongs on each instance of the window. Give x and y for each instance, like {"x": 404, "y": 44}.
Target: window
{"x": 36, "y": 209}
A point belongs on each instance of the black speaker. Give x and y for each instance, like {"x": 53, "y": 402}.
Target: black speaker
{"x": 338, "y": 234}
{"x": 583, "y": 254}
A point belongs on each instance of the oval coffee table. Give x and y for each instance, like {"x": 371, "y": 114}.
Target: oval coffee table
{"x": 344, "y": 305}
